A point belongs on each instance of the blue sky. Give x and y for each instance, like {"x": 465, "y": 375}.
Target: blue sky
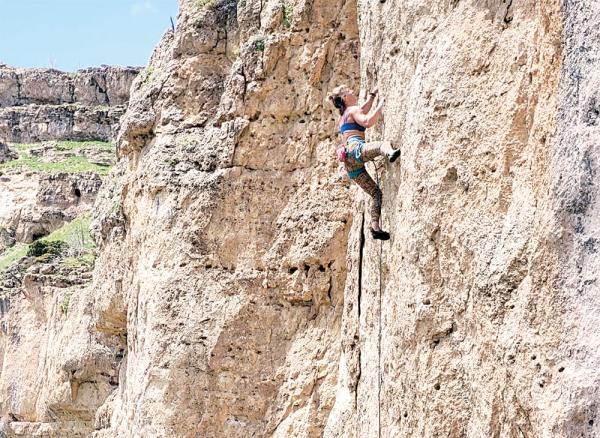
{"x": 73, "y": 34}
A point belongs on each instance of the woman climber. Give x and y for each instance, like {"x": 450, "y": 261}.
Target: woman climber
{"x": 354, "y": 120}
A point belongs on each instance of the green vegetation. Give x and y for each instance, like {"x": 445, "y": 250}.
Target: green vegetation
{"x": 76, "y": 234}
{"x": 84, "y": 261}
{"x": 64, "y": 305}
{"x": 13, "y": 254}
{"x": 151, "y": 75}
{"x": 78, "y": 145}
{"x": 147, "y": 75}
{"x": 72, "y": 240}
{"x": 70, "y": 165}
{"x": 259, "y": 45}
{"x": 204, "y": 3}
{"x": 46, "y": 247}
{"x": 73, "y": 164}
{"x": 115, "y": 207}
{"x": 287, "y": 14}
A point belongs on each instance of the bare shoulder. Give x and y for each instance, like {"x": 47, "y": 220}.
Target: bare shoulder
{"x": 352, "y": 110}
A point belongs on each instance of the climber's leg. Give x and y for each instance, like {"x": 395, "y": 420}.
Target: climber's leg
{"x": 374, "y": 149}
{"x": 358, "y": 174}
{"x": 366, "y": 183}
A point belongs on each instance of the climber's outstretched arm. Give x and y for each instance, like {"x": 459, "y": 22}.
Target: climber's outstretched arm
{"x": 367, "y": 120}
{"x": 367, "y": 105}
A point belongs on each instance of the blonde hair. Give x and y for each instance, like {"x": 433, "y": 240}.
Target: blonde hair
{"x": 336, "y": 97}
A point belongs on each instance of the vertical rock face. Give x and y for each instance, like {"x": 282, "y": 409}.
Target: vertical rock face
{"x": 91, "y": 86}
{"x": 228, "y": 266}
{"x": 477, "y": 319}
{"x": 45, "y": 104}
{"x": 574, "y": 190}
{"x": 45, "y": 188}
{"x": 238, "y": 292}
{"x": 218, "y": 291}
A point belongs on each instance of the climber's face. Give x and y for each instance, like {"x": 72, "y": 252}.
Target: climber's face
{"x": 349, "y": 98}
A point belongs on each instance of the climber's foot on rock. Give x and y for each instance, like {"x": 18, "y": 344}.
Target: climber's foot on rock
{"x": 380, "y": 235}
{"x": 393, "y": 156}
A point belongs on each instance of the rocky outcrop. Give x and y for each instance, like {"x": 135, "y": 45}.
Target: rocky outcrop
{"x": 45, "y": 104}
{"x": 46, "y": 186}
{"x": 7, "y": 238}
{"x": 237, "y": 292}
{"x": 50, "y": 187}
{"x": 38, "y": 199}
{"x": 89, "y": 87}
{"x": 195, "y": 138}
{"x": 6, "y": 154}
{"x": 31, "y": 124}
{"x": 36, "y": 298}
{"x": 230, "y": 153}
{"x": 40, "y": 105}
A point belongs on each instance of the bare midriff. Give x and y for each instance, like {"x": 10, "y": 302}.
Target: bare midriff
{"x": 353, "y": 133}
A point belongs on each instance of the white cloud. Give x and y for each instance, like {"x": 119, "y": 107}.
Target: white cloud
{"x": 142, "y": 7}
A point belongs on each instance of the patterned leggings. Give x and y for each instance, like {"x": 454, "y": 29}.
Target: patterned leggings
{"x": 358, "y": 153}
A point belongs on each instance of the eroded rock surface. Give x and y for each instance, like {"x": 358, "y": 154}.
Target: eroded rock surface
{"x": 471, "y": 319}
{"x": 33, "y": 123}
{"x": 90, "y": 87}
{"x": 35, "y": 202}
{"x": 49, "y": 385}
{"x": 226, "y": 150}
{"x": 238, "y": 293}
{"x": 6, "y": 154}
{"x": 41, "y": 398}
{"x": 45, "y": 104}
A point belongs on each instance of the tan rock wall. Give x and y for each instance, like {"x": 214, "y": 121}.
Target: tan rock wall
{"x": 238, "y": 292}
{"x": 233, "y": 323}
{"x": 33, "y": 123}
{"x": 45, "y": 104}
{"x": 238, "y": 173}
{"x": 90, "y": 87}
{"x": 51, "y": 384}
{"x": 468, "y": 317}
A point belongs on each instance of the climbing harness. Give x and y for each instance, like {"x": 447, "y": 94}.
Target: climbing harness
{"x": 341, "y": 153}
{"x": 356, "y": 143}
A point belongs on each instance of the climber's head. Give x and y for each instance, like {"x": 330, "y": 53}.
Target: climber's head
{"x": 342, "y": 97}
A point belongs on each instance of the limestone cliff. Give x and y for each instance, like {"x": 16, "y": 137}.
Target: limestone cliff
{"x": 47, "y": 190}
{"x": 237, "y": 291}
{"x": 43, "y": 183}
{"x": 46, "y": 104}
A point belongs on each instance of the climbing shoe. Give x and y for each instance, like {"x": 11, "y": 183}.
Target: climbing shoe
{"x": 380, "y": 235}
{"x": 393, "y": 156}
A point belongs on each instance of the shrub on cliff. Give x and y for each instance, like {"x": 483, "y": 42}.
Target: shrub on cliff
{"x": 46, "y": 247}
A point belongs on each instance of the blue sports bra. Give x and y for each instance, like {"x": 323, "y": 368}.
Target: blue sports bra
{"x": 350, "y": 126}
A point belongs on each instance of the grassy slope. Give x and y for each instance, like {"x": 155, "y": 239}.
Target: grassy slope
{"x": 75, "y": 233}
{"x": 75, "y": 164}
